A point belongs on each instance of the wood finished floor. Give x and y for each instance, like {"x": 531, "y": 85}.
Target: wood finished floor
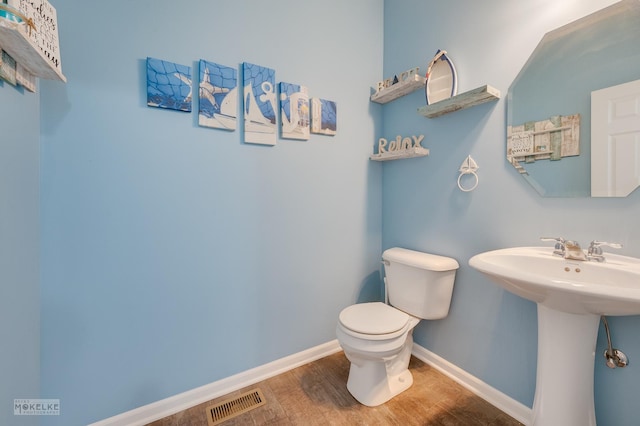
{"x": 316, "y": 394}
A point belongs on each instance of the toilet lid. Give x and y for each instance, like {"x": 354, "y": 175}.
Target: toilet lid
{"x": 373, "y": 318}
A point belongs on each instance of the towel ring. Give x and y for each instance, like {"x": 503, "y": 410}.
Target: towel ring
{"x": 468, "y": 172}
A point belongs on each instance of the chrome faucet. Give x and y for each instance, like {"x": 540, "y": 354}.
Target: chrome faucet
{"x": 594, "y": 252}
{"x": 572, "y": 250}
{"x": 566, "y": 248}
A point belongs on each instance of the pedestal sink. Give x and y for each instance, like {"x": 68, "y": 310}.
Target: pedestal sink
{"x": 571, "y": 296}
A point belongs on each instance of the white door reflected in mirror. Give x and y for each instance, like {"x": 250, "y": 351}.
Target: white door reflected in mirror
{"x": 615, "y": 140}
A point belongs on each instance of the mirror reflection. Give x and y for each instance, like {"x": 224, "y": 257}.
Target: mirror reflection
{"x": 550, "y": 99}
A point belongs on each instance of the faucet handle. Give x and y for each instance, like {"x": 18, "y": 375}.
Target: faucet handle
{"x": 559, "y": 248}
{"x": 558, "y": 239}
{"x": 596, "y": 246}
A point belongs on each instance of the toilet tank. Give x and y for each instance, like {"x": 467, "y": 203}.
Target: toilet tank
{"x": 419, "y": 284}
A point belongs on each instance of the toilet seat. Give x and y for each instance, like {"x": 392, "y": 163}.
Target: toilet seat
{"x": 377, "y": 340}
{"x": 374, "y": 318}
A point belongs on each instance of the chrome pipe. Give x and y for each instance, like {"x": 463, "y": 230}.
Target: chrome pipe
{"x": 615, "y": 357}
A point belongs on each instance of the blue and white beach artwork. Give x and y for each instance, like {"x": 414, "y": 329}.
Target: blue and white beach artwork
{"x": 294, "y": 111}
{"x": 168, "y": 85}
{"x": 324, "y": 116}
{"x": 218, "y": 96}
{"x": 259, "y": 104}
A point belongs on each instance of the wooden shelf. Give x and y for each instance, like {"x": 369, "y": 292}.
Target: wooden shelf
{"x": 15, "y": 41}
{"x": 399, "y": 155}
{"x": 462, "y": 101}
{"x": 399, "y": 89}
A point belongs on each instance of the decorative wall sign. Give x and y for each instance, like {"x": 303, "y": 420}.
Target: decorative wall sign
{"x": 44, "y": 18}
{"x": 399, "y": 143}
{"x": 259, "y": 104}
{"x": 29, "y": 30}
{"x": 404, "y": 76}
{"x": 294, "y": 111}
{"x": 324, "y": 117}
{"x": 551, "y": 139}
{"x": 168, "y": 85}
{"x": 399, "y": 148}
{"x": 218, "y": 96}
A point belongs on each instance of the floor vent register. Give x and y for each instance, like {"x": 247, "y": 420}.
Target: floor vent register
{"x": 233, "y": 407}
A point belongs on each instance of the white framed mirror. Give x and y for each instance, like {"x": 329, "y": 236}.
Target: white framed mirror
{"x": 598, "y": 51}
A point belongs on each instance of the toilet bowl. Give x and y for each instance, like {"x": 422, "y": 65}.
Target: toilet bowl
{"x": 378, "y": 338}
{"x": 379, "y": 353}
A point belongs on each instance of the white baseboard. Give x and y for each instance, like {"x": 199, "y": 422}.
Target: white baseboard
{"x": 174, "y": 404}
{"x": 148, "y": 413}
{"x": 515, "y": 409}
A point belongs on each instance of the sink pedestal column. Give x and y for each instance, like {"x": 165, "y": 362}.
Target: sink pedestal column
{"x": 564, "y": 379}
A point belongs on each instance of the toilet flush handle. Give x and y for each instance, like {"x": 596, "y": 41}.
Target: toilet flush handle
{"x": 384, "y": 278}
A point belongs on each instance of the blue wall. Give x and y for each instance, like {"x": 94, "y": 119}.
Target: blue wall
{"x": 489, "y": 332}
{"x": 175, "y": 255}
{"x": 19, "y": 251}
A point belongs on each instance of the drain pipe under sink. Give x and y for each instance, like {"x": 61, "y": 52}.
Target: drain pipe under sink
{"x": 615, "y": 357}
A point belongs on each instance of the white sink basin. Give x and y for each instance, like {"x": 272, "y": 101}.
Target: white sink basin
{"x": 571, "y": 296}
{"x": 580, "y": 287}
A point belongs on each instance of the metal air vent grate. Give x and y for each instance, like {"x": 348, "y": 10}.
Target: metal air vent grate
{"x": 230, "y": 408}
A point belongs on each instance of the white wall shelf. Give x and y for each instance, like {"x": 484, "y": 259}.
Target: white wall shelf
{"x": 401, "y": 88}
{"x": 399, "y": 155}
{"x": 462, "y": 101}
{"x": 15, "y": 41}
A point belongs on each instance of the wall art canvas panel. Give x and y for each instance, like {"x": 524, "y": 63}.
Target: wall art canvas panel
{"x": 168, "y": 85}
{"x": 294, "y": 111}
{"x": 218, "y": 96}
{"x": 259, "y": 104}
{"x": 324, "y": 117}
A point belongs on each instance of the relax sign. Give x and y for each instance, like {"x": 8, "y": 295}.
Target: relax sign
{"x": 399, "y": 144}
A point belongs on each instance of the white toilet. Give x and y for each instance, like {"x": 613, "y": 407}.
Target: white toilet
{"x": 378, "y": 338}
